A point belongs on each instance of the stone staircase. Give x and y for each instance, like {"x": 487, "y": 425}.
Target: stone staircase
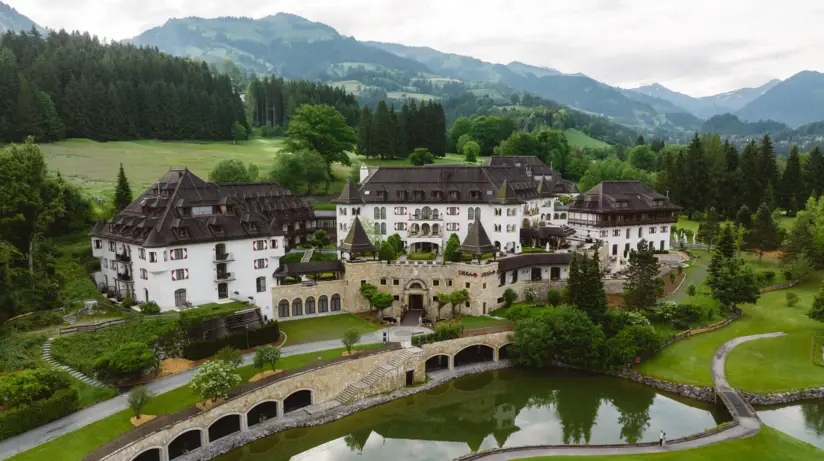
{"x": 308, "y": 255}
{"x": 354, "y": 390}
{"x": 46, "y": 355}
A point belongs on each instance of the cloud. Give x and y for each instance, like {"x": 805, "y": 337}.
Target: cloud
{"x": 698, "y": 47}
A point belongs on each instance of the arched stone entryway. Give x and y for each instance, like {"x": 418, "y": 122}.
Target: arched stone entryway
{"x": 297, "y": 400}
{"x": 224, "y": 426}
{"x": 477, "y": 353}
{"x": 184, "y": 443}
{"x": 437, "y": 362}
{"x": 507, "y": 351}
{"x": 262, "y": 412}
{"x": 152, "y": 454}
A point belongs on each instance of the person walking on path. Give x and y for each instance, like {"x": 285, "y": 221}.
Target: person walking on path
{"x": 661, "y": 439}
{"x": 664, "y": 439}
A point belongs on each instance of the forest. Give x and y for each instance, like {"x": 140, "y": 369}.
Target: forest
{"x": 389, "y": 134}
{"x": 72, "y": 85}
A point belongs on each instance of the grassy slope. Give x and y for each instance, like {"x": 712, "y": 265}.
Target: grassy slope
{"x": 768, "y": 445}
{"x": 323, "y": 328}
{"x": 578, "y": 138}
{"x": 76, "y": 445}
{"x": 94, "y": 165}
{"x": 764, "y": 366}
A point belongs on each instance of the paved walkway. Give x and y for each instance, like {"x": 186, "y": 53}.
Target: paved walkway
{"x": 77, "y": 420}
{"x": 748, "y": 423}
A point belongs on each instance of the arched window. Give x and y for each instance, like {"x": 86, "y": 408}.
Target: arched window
{"x": 563, "y": 216}
{"x": 283, "y": 308}
{"x": 416, "y": 228}
{"x": 261, "y": 284}
{"x": 335, "y": 303}
{"x": 478, "y": 212}
{"x": 377, "y": 213}
{"x": 383, "y": 228}
{"x": 180, "y": 297}
{"x": 435, "y": 213}
{"x": 310, "y": 305}
{"x": 377, "y": 228}
{"x": 436, "y": 229}
{"x": 426, "y": 212}
{"x": 555, "y": 216}
{"x": 471, "y": 214}
{"x": 297, "y": 307}
{"x": 383, "y": 212}
{"x": 323, "y": 304}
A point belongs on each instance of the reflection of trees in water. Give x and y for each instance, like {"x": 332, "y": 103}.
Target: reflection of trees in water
{"x": 357, "y": 440}
{"x": 577, "y": 407}
{"x": 814, "y": 416}
{"x": 633, "y": 404}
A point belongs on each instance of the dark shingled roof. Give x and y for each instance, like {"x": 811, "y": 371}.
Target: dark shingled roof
{"x": 621, "y": 197}
{"x": 547, "y": 231}
{"x": 157, "y": 217}
{"x": 530, "y": 164}
{"x": 476, "y": 241}
{"x": 349, "y": 194}
{"x": 441, "y": 184}
{"x": 356, "y": 240}
{"x": 533, "y": 259}
{"x": 312, "y": 267}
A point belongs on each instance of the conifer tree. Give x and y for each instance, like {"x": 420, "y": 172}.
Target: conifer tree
{"x": 814, "y": 173}
{"x": 764, "y": 234}
{"x": 696, "y": 177}
{"x": 769, "y": 169}
{"x": 365, "y": 132}
{"x": 729, "y": 190}
{"x": 792, "y": 191}
{"x": 122, "y": 193}
{"x": 725, "y": 249}
{"x": 752, "y": 190}
{"x": 382, "y": 131}
{"x": 641, "y": 284}
{"x": 585, "y": 287}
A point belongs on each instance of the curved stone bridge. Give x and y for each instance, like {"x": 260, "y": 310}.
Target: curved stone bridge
{"x": 745, "y": 424}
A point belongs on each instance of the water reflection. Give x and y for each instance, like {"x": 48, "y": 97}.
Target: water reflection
{"x": 804, "y": 421}
{"x": 499, "y": 409}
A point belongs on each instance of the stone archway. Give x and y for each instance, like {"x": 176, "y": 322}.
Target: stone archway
{"x": 261, "y": 412}
{"x": 152, "y": 454}
{"x": 297, "y": 400}
{"x": 224, "y": 426}
{"x": 476, "y": 353}
{"x": 437, "y": 362}
{"x": 184, "y": 443}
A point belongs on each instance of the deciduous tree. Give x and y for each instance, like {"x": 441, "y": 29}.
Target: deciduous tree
{"x": 214, "y": 379}
{"x": 322, "y": 129}
{"x": 267, "y": 356}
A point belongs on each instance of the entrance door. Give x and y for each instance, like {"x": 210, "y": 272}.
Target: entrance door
{"x": 410, "y": 377}
{"x": 415, "y": 302}
{"x": 555, "y": 273}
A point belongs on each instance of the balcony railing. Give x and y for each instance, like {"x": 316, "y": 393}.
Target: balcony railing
{"x": 425, "y": 234}
{"x": 225, "y": 257}
{"x": 124, "y": 258}
{"x": 224, "y": 277}
{"x": 126, "y": 277}
{"x": 414, "y": 217}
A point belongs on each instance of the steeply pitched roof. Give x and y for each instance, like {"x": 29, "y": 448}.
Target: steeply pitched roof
{"x": 533, "y": 259}
{"x": 164, "y": 214}
{"x": 350, "y": 194}
{"x": 506, "y": 194}
{"x": 356, "y": 240}
{"x": 530, "y": 164}
{"x": 312, "y": 267}
{"x": 476, "y": 241}
{"x": 622, "y": 197}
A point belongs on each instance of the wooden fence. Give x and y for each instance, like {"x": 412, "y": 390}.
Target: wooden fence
{"x": 779, "y": 286}
{"x": 695, "y": 331}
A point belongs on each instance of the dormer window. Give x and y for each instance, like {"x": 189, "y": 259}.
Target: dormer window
{"x": 182, "y": 232}
{"x": 401, "y": 194}
{"x": 437, "y": 195}
{"x": 419, "y": 195}
{"x": 658, "y": 202}
{"x": 475, "y": 194}
{"x": 228, "y": 209}
{"x": 217, "y": 230}
{"x": 381, "y": 194}
{"x": 454, "y": 195}
{"x": 622, "y": 204}
{"x": 185, "y": 212}
{"x": 251, "y": 227}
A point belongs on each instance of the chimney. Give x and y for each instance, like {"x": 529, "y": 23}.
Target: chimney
{"x": 364, "y": 173}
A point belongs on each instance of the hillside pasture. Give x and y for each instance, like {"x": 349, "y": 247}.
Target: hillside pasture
{"x": 578, "y": 138}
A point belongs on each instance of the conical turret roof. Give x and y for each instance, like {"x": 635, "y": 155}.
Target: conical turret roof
{"x": 476, "y": 241}
{"x": 356, "y": 240}
{"x": 349, "y": 194}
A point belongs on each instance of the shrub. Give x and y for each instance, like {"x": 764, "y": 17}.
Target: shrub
{"x": 529, "y": 295}
{"x": 509, "y": 297}
{"x": 230, "y": 355}
{"x": 27, "y": 386}
{"x": 128, "y": 302}
{"x": 792, "y": 299}
{"x": 149, "y": 308}
{"x": 680, "y": 315}
{"x": 350, "y": 338}
{"x": 128, "y": 361}
{"x": 616, "y": 320}
{"x": 214, "y": 380}
{"x": 518, "y": 312}
{"x": 554, "y": 297}
{"x": 26, "y": 417}
{"x": 629, "y": 343}
{"x": 443, "y": 332}
{"x": 769, "y": 276}
{"x": 268, "y": 333}
{"x": 565, "y": 333}
{"x": 267, "y": 356}
{"x": 138, "y": 398}
{"x": 691, "y": 290}
{"x": 37, "y": 320}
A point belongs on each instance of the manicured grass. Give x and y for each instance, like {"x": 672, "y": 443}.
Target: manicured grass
{"x": 578, "y": 138}
{"x": 784, "y": 222}
{"x": 319, "y": 256}
{"x": 213, "y": 310}
{"x": 291, "y": 258}
{"x": 420, "y": 256}
{"x": 767, "y": 445}
{"x": 448, "y": 159}
{"x": 323, "y": 328}
{"x": 93, "y": 166}
{"x": 89, "y": 395}
{"x": 76, "y": 445}
{"x": 763, "y": 366}
{"x": 472, "y": 323}
{"x": 324, "y": 206}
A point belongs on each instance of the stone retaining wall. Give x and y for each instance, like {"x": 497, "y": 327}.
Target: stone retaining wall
{"x": 704, "y": 394}
{"x": 783, "y": 397}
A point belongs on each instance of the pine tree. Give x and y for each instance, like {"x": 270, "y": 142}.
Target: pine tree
{"x": 585, "y": 288}
{"x": 639, "y": 291}
{"x": 382, "y": 131}
{"x": 752, "y": 189}
{"x": 725, "y": 249}
{"x": 769, "y": 168}
{"x": 729, "y": 190}
{"x": 365, "y": 132}
{"x": 792, "y": 192}
{"x": 9, "y": 87}
{"x": 696, "y": 178}
{"x": 122, "y": 193}
{"x": 814, "y": 173}
{"x": 764, "y": 234}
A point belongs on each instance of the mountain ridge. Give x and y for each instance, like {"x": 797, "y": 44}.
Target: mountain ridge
{"x": 11, "y": 19}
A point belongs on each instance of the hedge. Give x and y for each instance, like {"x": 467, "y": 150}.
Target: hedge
{"x": 197, "y": 350}
{"x": 27, "y": 417}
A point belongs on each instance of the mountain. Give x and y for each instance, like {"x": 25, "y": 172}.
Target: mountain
{"x": 707, "y": 106}
{"x": 732, "y": 101}
{"x": 527, "y": 69}
{"x": 10, "y": 19}
{"x": 796, "y": 101}
{"x": 728, "y": 124}
{"x": 283, "y": 44}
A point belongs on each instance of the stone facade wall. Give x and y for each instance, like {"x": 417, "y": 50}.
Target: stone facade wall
{"x": 784, "y": 397}
{"x": 290, "y": 292}
{"x": 614, "y": 286}
{"x": 452, "y": 347}
{"x": 325, "y": 384}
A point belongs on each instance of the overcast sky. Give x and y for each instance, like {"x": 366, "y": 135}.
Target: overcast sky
{"x": 698, "y": 47}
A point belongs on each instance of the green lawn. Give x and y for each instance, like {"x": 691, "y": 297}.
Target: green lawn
{"x": 578, "y": 138}
{"x": 323, "y": 328}
{"x": 93, "y": 165}
{"x": 213, "y": 310}
{"x": 473, "y": 323}
{"x": 89, "y": 395}
{"x": 763, "y": 366}
{"x": 449, "y": 159}
{"x": 690, "y": 224}
{"x": 76, "y": 445}
{"x": 768, "y": 445}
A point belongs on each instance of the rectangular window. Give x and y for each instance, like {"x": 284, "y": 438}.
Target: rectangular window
{"x": 342, "y": 211}
{"x": 105, "y": 263}
{"x": 261, "y": 284}
{"x": 453, "y": 226}
{"x": 396, "y": 298}
{"x": 436, "y": 283}
{"x": 274, "y": 243}
{"x": 180, "y": 274}
{"x": 152, "y": 257}
{"x": 616, "y": 233}
{"x": 178, "y": 253}
{"x": 203, "y": 210}
{"x": 396, "y": 282}
{"x": 453, "y": 211}
{"x": 144, "y": 274}
{"x": 468, "y": 284}
{"x": 663, "y": 228}
{"x": 259, "y": 245}
{"x": 604, "y": 233}
{"x": 400, "y": 210}
{"x": 651, "y": 230}
{"x": 98, "y": 244}
{"x": 640, "y": 232}
{"x": 260, "y": 263}
{"x": 112, "y": 246}
{"x": 383, "y": 281}
{"x": 141, "y": 253}
{"x": 449, "y": 283}
{"x": 627, "y": 232}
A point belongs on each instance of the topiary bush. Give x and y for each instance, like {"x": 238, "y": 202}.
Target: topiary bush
{"x": 554, "y": 297}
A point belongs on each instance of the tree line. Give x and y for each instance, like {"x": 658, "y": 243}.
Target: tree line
{"x": 271, "y": 101}
{"x": 72, "y": 85}
{"x": 389, "y": 134}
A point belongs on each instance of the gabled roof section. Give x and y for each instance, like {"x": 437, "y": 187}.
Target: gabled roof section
{"x": 477, "y": 241}
{"x": 356, "y": 240}
{"x": 181, "y": 208}
{"x": 506, "y": 194}
{"x": 622, "y": 197}
{"x": 350, "y": 194}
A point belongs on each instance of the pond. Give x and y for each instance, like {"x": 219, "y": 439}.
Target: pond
{"x": 506, "y": 408}
{"x": 804, "y": 421}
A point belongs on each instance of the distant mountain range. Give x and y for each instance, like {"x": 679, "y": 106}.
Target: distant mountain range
{"x": 10, "y": 19}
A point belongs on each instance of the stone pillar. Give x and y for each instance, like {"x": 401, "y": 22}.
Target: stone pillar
{"x": 495, "y": 354}
{"x": 451, "y": 362}
{"x": 244, "y": 423}
{"x": 164, "y": 453}
{"x": 204, "y": 438}
{"x": 280, "y": 408}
